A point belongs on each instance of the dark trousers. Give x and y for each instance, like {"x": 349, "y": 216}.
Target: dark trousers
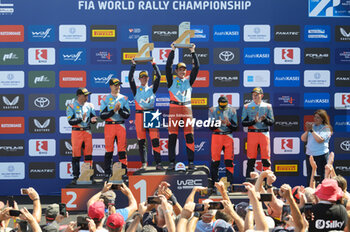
{"x": 321, "y": 162}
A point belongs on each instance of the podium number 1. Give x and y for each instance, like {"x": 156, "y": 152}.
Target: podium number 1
{"x": 142, "y": 185}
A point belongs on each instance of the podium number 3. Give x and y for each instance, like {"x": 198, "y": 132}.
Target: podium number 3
{"x": 142, "y": 185}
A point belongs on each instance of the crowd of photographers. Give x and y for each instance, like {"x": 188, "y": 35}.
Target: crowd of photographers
{"x": 322, "y": 206}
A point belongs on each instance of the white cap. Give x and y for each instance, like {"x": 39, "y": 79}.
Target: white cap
{"x": 180, "y": 167}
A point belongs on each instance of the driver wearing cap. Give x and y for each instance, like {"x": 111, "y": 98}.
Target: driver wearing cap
{"x": 79, "y": 115}
{"x": 222, "y": 139}
{"x": 114, "y": 110}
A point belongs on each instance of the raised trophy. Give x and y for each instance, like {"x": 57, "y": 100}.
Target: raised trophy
{"x": 86, "y": 173}
{"x": 118, "y": 173}
{"x": 185, "y": 34}
{"x": 144, "y": 48}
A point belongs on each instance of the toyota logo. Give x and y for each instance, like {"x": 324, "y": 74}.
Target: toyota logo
{"x": 226, "y": 56}
{"x": 345, "y": 145}
{"x": 41, "y": 102}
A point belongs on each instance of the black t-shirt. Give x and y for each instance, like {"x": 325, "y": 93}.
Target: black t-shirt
{"x": 328, "y": 217}
{"x": 148, "y": 220}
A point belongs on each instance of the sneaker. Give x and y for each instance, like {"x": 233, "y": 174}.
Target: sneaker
{"x": 159, "y": 167}
{"x": 191, "y": 166}
{"x": 171, "y": 166}
{"x": 74, "y": 181}
{"x": 144, "y": 166}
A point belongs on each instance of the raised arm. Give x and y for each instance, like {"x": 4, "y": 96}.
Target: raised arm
{"x": 169, "y": 66}
{"x": 131, "y": 77}
{"x": 195, "y": 68}
{"x": 158, "y": 76}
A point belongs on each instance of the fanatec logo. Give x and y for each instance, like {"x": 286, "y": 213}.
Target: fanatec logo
{"x": 41, "y": 102}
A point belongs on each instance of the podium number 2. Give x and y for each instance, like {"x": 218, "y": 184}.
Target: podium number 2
{"x": 71, "y": 201}
{"x": 142, "y": 185}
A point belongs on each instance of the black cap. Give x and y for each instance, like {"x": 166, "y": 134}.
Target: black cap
{"x": 84, "y": 91}
{"x": 115, "y": 81}
{"x": 223, "y": 102}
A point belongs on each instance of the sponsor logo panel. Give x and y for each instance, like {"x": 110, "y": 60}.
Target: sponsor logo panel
{"x": 286, "y": 167}
{"x": 12, "y": 102}
{"x": 73, "y": 56}
{"x": 42, "y": 125}
{"x": 253, "y": 78}
{"x": 319, "y": 8}
{"x": 286, "y": 100}
{"x": 285, "y": 123}
{"x": 202, "y": 54}
{"x": 98, "y": 127}
{"x": 42, "y": 147}
{"x": 100, "y": 79}
{"x": 125, "y": 79}
{"x": 41, "y": 79}
{"x": 226, "y": 78}
{"x": 201, "y": 33}
{"x": 256, "y": 55}
{"x": 11, "y": 56}
{"x": 342, "y": 33}
{"x": 11, "y": 33}
{"x": 342, "y": 123}
{"x": 317, "y": 78}
{"x": 202, "y": 79}
{"x": 342, "y": 101}
{"x": 257, "y": 33}
{"x": 72, "y": 79}
{"x": 12, "y": 147}
{"x": 96, "y": 99}
{"x": 42, "y": 170}
{"x": 226, "y": 55}
{"x": 286, "y": 55}
{"x": 103, "y": 56}
{"x": 342, "y": 145}
{"x": 41, "y": 33}
{"x": 286, "y": 145}
{"x": 98, "y": 147}
{"x": 342, "y": 78}
{"x": 66, "y": 147}
{"x": 163, "y": 143}
{"x": 200, "y": 100}
{"x": 11, "y": 125}
{"x": 42, "y": 102}
{"x": 287, "y": 33}
{"x": 342, "y": 56}
{"x": 224, "y": 33}
{"x": 41, "y": 56}
{"x": 133, "y": 32}
{"x": 72, "y": 33}
{"x": 317, "y": 33}
{"x": 342, "y": 167}
{"x": 258, "y": 167}
{"x": 66, "y": 99}
{"x": 161, "y": 55}
{"x": 129, "y": 53}
{"x": 164, "y": 33}
{"x": 11, "y": 79}
{"x": 65, "y": 128}
{"x": 316, "y": 100}
{"x": 317, "y": 55}
{"x": 12, "y": 171}
{"x": 103, "y": 33}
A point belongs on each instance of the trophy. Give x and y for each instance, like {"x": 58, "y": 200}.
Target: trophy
{"x": 86, "y": 173}
{"x": 144, "y": 48}
{"x": 185, "y": 34}
{"x": 118, "y": 173}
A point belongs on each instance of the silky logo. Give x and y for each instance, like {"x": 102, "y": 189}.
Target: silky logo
{"x": 41, "y": 33}
{"x": 73, "y": 56}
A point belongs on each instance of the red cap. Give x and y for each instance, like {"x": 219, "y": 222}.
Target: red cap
{"x": 115, "y": 221}
{"x": 97, "y": 210}
{"x": 328, "y": 190}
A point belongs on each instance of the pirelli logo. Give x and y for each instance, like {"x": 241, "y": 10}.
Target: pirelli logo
{"x": 129, "y": 55}
{"x": 286, "y": 168}
{"x": 199, "y": 101}
{"x": 103, "y": 33}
